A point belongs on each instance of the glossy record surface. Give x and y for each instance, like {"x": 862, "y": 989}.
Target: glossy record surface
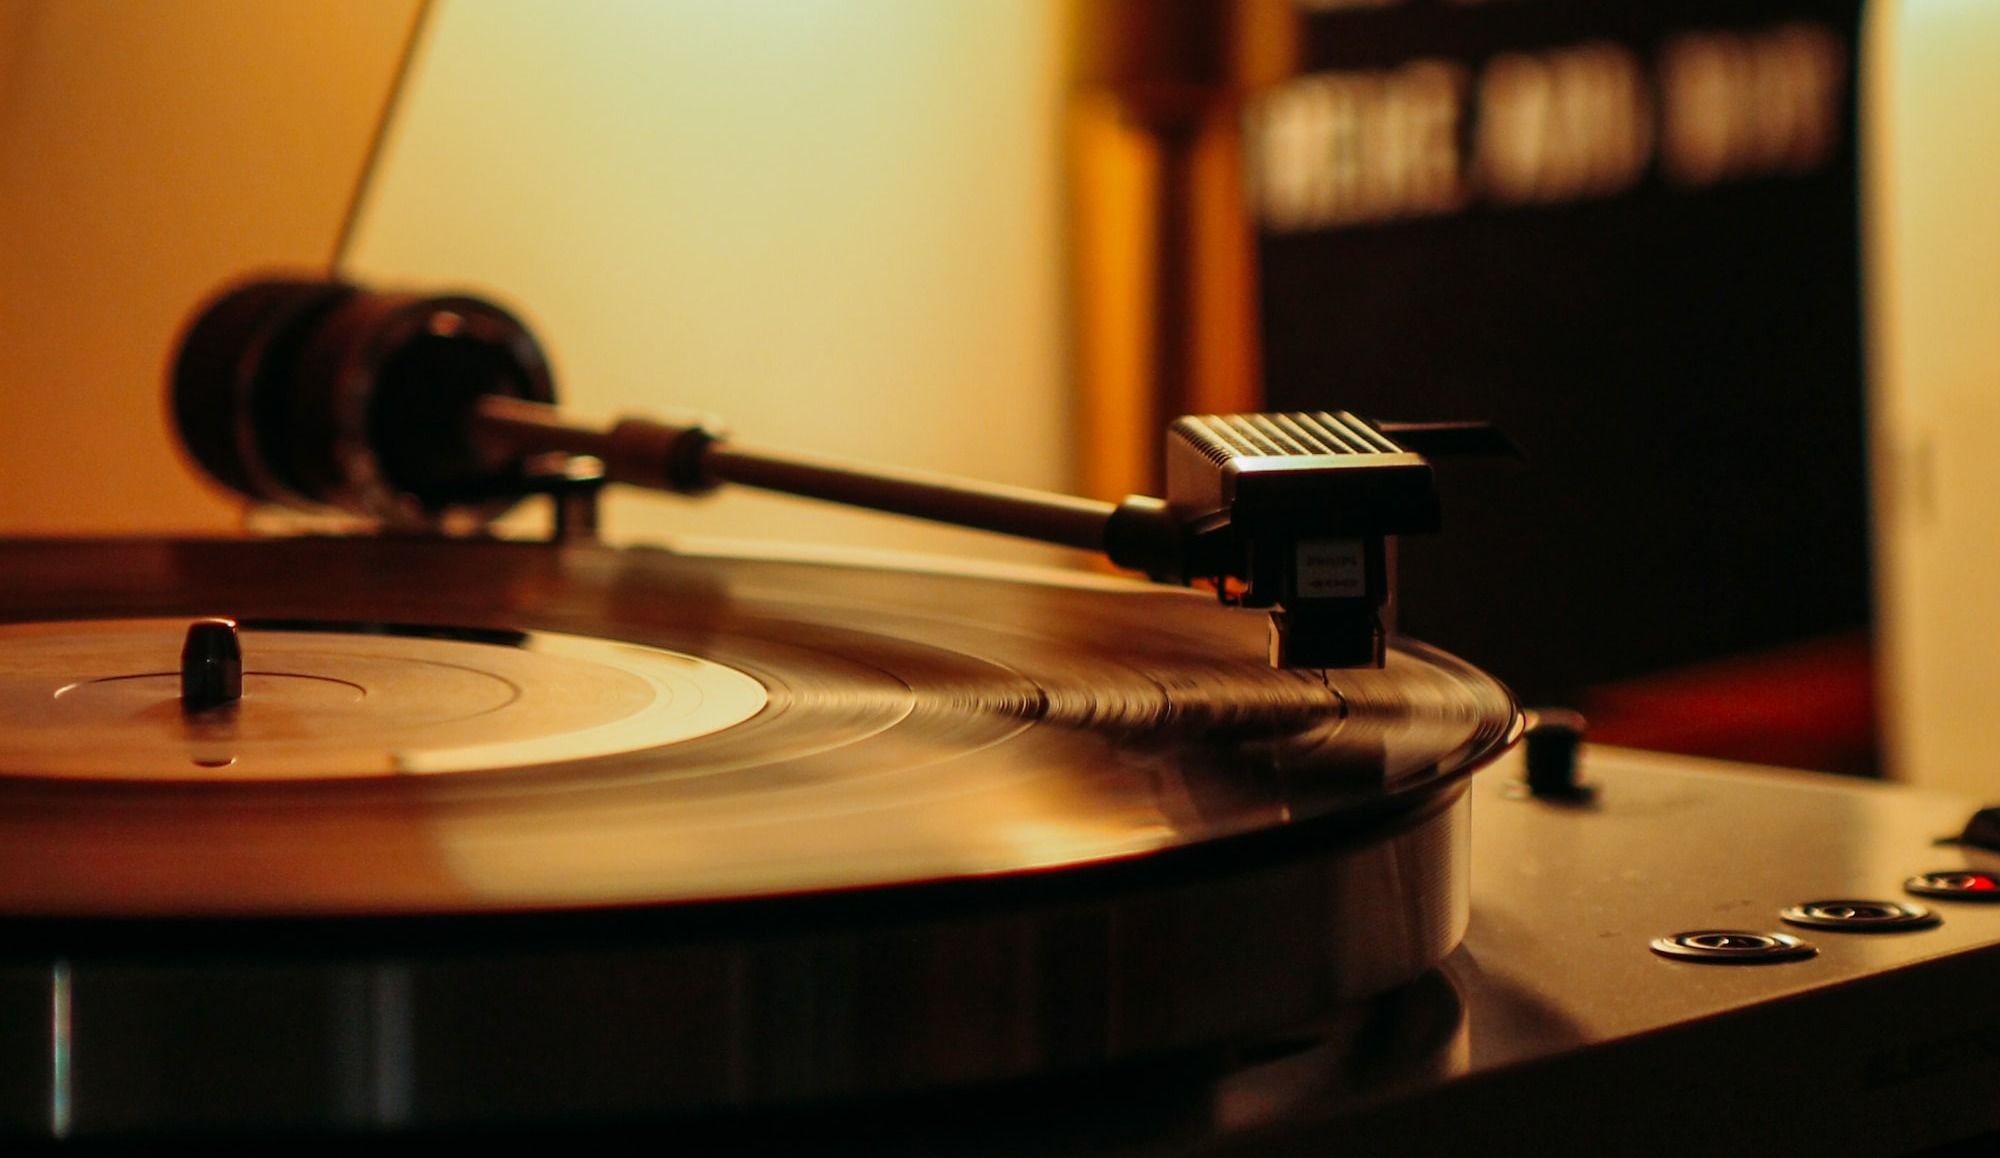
{"x": 914, "y": 728}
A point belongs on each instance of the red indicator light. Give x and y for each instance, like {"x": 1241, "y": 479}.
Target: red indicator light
{"x": 1980, "y": 885}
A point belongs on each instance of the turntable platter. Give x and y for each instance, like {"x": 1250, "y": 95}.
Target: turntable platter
{"x": 503, "y": 832}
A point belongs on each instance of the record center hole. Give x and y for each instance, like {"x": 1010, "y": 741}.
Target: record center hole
{"x": 214, "y": 761}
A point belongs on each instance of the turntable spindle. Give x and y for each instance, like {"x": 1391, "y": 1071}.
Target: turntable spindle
{"x": 211, "y": 665}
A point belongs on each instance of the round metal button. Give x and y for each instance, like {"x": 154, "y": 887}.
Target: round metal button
{"x": 1957, "y": 885}
{"x": 1733, "y": 947}
{"x": 1852, "y": 916}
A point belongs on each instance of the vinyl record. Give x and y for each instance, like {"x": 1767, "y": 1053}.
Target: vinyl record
{"x": 583, "y": 832}
{"x": 433, "y": 728}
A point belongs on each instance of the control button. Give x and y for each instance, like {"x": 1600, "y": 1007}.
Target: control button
{"x": 1957, "y": 885}
{"x": 1733, "y": 947}
{"x": 1983, "y": 830}
{"x": 1849, "y": 916}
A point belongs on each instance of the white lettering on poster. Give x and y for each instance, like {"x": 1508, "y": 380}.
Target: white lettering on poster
{"x": 1362, "y": 146}
{"x": 1742, "y": 105}
{"x": 1562, "y": 125}
{"x": 1567, "y": 123}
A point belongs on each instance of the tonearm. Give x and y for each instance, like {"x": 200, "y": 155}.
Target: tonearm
{"x": 408, "y": 408}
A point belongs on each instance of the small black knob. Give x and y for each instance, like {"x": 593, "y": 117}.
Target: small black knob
{"x": 1554, "y": 734}
{"x": 211, "y": 665}
{"x": 1983, "y": 830}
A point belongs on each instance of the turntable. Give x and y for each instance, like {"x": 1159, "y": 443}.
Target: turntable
{"x": 420, "y": 832}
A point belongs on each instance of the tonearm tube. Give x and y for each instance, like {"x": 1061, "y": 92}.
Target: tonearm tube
{"x": 411, "y": 409}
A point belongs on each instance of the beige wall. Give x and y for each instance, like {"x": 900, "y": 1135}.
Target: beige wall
{"x": 147, "y": 152}
{"x": 835, "y": 225}
{"x": 1933, "y": 208}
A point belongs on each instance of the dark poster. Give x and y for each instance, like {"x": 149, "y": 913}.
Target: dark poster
{"x": 1627, "y": 234}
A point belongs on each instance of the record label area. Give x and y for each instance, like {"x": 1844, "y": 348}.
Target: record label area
{"x": 335, "y": 701}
